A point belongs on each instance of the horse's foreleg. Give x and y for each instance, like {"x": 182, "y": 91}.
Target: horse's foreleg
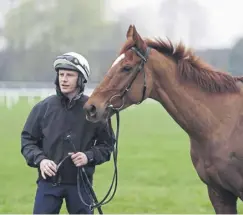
{"x": 223, "y": 201}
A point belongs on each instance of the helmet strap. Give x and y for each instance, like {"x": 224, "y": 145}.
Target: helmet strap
{"x": 81, "y": 82}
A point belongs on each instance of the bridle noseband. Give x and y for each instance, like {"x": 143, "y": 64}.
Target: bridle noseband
{"x": 139, "y": 68}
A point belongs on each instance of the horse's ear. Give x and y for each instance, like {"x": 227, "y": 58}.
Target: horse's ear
{"x": 134, "y": 35}
{"x": 138, "y": 40}
{"x": 130, "y": 31}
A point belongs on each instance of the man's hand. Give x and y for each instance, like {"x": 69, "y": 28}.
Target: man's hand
{"x": 79, "y": 159}
{"x": 48, "y": 167}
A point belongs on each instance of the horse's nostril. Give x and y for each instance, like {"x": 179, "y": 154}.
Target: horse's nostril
{"x": 92, "y": 110}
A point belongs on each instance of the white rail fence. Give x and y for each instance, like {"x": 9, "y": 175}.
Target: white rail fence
{"x": 11, "y": 92}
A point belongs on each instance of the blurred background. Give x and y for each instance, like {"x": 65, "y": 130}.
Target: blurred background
{"x": 33, "y": 32}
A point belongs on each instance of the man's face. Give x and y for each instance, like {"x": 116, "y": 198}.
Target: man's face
{"x": 68, "y": 81}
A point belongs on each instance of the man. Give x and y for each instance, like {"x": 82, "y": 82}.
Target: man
{"x": 56, "y": 131}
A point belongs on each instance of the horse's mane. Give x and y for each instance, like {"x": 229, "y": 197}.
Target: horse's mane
{"x": 193, "y": 68}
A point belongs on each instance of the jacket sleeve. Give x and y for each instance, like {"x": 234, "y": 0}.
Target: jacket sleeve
{"x": 103, "y": 147}
{"x": 31, "y": 137}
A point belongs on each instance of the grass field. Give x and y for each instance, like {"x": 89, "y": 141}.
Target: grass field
{"x": 155, "y": 171}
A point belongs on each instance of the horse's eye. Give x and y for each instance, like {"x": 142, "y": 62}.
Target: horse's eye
{"x": 127, "y": 68}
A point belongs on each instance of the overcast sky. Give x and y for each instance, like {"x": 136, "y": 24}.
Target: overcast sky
{"x": 224, "y": 19}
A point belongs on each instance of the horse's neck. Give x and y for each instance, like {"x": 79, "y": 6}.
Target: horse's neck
{"x": 188, "y": 111}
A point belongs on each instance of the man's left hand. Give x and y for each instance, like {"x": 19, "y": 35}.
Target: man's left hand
{"x": 79, "y": 159}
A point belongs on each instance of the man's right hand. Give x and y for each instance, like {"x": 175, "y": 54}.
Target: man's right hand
{"x": 48, "y": 167}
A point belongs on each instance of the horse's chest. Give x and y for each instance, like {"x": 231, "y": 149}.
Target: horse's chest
{"x": 220, "y": 170}
{"x": 201, "y": 165}
{"x": 207, "y": 163}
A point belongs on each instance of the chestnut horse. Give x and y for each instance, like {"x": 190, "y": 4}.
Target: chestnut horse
{"x": 206, "y": 103}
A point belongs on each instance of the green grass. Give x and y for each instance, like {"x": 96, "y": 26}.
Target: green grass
{"x": 155, "y": 171}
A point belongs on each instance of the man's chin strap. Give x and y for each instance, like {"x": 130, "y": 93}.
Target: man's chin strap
{"x": 81, "y": 82}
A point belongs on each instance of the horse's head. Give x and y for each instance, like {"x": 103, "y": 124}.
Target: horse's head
{"x": 128, "y": 81}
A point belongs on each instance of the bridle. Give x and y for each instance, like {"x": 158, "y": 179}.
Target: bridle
{"x": 139, "y": 68}
{"x": 114, "y": 182}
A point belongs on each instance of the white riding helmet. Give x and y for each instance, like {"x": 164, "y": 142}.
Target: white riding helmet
{"x": 73, "y": 61}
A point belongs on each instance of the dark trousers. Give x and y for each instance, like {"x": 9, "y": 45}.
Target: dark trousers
{"x": 49, "y": 199}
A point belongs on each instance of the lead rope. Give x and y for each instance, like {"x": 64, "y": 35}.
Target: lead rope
{"x": 81, "y": 172}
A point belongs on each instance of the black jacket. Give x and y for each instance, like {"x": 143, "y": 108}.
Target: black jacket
{"x": 45, "y": 134}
